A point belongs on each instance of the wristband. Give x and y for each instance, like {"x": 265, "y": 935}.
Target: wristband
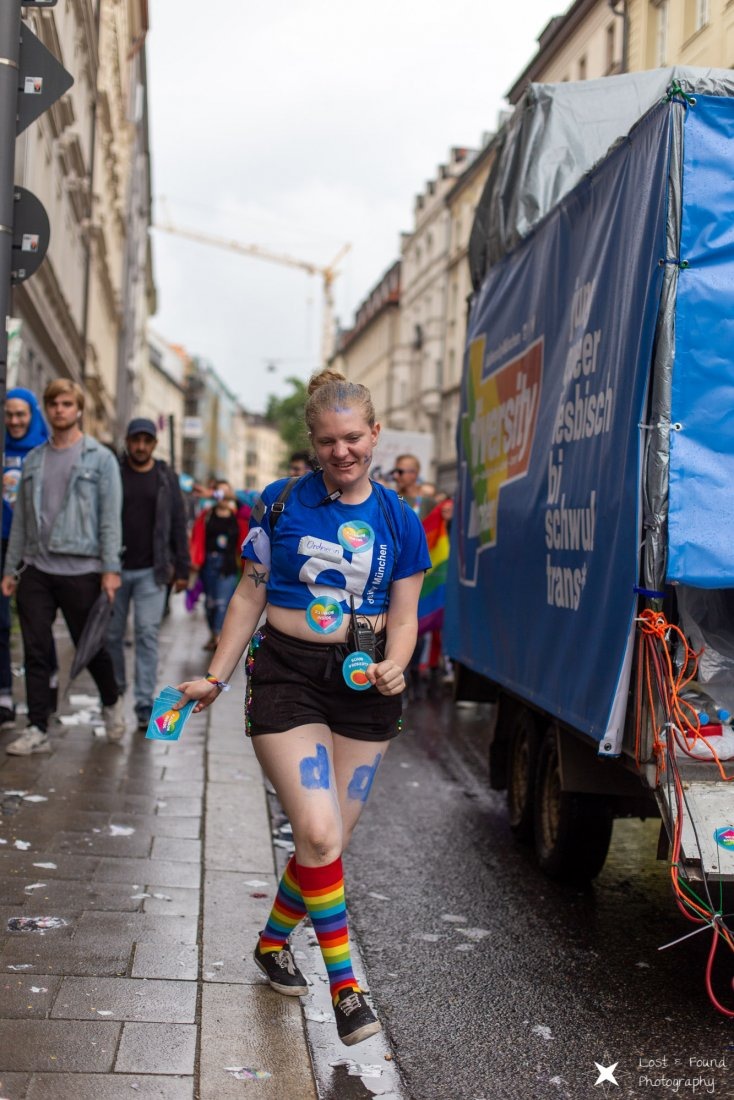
{"x": 216, "y": 683}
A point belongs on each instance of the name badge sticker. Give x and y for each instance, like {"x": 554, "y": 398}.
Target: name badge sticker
{"x": 324, "y": 615}
{"x": 356, "y": 535}
{"x": 312, "y": 547}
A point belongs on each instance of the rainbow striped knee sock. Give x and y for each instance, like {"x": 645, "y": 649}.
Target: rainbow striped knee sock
{"x": 322, "y": 890}
{"x": 288, "y": 909}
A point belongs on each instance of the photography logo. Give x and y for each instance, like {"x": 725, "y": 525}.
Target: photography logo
{"x": 606, "y": 1074}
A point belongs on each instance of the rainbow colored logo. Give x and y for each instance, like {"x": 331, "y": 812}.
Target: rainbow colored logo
{"x": 166, "y": 723}
{"x": 498, "y": 429}
{"x": 724, "y": 837}
{"x": 324, "y": 615}
{"x": 355, "y": 535}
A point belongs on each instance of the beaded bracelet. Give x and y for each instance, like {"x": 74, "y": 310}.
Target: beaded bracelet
{"x": 216, "y": 683}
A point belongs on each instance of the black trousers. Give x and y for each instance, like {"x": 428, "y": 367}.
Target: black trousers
{"x": 39, "y": 597}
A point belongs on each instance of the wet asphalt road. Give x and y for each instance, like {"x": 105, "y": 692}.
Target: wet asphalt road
{"x": 545, "y": 980}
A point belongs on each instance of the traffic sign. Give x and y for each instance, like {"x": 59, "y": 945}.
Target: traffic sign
{"x": 31, "y": 235}
{"x": 42, "y": 79}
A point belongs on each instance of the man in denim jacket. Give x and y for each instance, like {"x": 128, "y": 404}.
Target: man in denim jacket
{"x": 67, "y": 533}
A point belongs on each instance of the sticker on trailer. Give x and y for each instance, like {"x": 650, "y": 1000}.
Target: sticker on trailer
{"x": 33, "y": 85}
{"x": 30, "y": 242}
{"x": 724, "y": 837}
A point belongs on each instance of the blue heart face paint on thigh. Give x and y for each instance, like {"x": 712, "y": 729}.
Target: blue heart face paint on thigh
{"x": 315, "y": 770}
{"x": 362, "y": 780}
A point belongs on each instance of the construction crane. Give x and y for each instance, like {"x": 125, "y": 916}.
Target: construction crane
{"x": 328, "y": 273}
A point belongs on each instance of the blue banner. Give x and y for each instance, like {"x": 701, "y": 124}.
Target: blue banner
{"x": 701, "y": 515}
{"x": 545, "y": 538}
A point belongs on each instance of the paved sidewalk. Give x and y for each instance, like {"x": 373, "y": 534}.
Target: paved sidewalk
{"x": 156, "y": 862}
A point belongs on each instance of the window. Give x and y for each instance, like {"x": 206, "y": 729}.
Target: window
{"x": 703, "y": 12}
{"x": 610, "y": 47}
{"x": 661, "y": 34}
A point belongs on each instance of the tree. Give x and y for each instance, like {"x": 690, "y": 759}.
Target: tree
{"x": 286, "y": 414}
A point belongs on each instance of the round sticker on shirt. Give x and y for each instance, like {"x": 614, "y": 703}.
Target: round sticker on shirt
{"x": 356, "y": 535}
{"x": 324, "y": 615}
{"x": 222, "y": 542}
{"x": 354, "y": 670}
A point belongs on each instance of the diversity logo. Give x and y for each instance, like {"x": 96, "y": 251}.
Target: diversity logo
{"x": 356, "y": 536}
{"x": 166, "y": 723}
{"x": 498, "y": 430}
{"x": 324, "y": 615}
{"x": 724, "y": 837}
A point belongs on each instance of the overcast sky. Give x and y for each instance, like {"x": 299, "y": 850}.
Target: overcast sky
{"x": 300, "y": 126}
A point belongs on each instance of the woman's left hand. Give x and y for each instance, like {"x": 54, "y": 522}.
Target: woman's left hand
{"x": 387, "y": 677}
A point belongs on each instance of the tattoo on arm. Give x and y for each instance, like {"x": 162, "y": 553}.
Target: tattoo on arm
{"x": 257, "y": 577}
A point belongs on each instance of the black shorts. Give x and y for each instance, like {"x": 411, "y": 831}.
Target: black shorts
{"x": 294, "y": 683}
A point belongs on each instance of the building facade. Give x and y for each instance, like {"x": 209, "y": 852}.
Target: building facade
{"x": 161, "y": 395}
{"x": 369, "y": 351}
{"x": 421, "y": 367}
{"x": 82, "y": 159}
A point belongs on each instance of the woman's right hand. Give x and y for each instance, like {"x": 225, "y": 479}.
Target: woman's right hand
{"x": 200, "y": 689}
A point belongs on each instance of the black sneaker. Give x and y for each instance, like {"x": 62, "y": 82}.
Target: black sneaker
{"x": 355, "y": 1020}
{"x": 7, "y": 718}
{"x": 281, "y": 971}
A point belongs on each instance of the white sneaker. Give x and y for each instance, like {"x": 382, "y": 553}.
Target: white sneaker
{"x": 114, "y": 720}
{"x": 31, "y": 740}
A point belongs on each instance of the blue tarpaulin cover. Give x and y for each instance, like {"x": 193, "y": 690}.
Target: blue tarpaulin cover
{"x": 701, "y": 482}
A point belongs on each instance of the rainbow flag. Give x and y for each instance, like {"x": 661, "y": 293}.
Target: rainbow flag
{"x": 433, "y": 593}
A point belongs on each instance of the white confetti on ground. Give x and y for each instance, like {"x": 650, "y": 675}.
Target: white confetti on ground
{"x": 453, "y": 918}
{"x": 104, "y": 1012}
{"x": 139, "y": 897}
{"x": 464, "y": 947}
{"x": 35, "y": 886}
{"x": 542, "y": 1030}
{"x": 474, "y": 933}
{"x": 255, "y": 882}
{"x": 643, "y": 965}
{"x": 35, "y": 798}
{"x": 39, "y": 989}
{"x": 23, "y": 845}
{"x": 163, "y": 897}
{"x": 380, "y": 897}
{"x": 121, "y": 830}
{"x": 46, "y": 866}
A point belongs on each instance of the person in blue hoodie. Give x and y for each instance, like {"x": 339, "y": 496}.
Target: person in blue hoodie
{"x": 25, "y": 429}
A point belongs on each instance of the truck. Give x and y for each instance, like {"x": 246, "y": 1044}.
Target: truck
{"x": 590, "y": 591}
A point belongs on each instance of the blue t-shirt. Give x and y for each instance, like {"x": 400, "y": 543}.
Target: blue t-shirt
{"x": 335, "y": 549}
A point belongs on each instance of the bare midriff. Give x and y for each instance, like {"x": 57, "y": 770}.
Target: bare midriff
{"x": 292, "y": 621}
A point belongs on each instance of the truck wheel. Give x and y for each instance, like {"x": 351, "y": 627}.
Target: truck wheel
{"x": 572, "y": 831}
{"x": 522, "y": 765}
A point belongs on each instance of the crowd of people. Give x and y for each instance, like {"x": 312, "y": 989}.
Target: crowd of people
{"x": 322, "y": 580}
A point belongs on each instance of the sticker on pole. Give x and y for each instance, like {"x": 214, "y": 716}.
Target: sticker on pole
{"x": 354, "y": 670}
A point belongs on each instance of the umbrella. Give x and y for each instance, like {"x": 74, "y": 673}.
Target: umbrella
{"x": 93, "y": 636}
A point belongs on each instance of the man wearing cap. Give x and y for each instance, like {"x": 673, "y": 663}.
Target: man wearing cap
{"x": 155, "y": 554}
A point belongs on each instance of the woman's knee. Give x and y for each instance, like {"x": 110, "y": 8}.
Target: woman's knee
{"x": 318, "y": 843}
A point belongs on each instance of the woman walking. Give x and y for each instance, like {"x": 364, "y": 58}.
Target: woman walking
{"x": 337, "y": 563}
{"x": 216, "y": 538}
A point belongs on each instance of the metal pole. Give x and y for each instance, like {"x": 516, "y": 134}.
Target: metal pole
{"x": 172, "y": 440}
{"x": 9, "y": 58}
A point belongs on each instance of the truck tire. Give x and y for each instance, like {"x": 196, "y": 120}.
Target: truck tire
{"x": 522, "y": 763}
{"x": 572, "y": 831}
